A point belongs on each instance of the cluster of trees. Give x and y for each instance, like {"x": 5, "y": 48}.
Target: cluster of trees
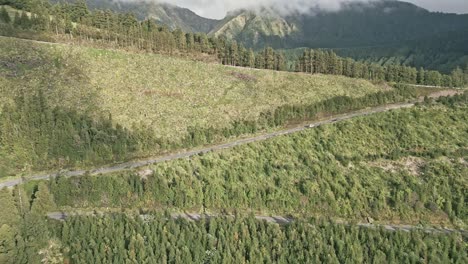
{"x": 338, "y": 170}
{"x": 155, "y": 239}
{"x": 37, "y": 136}
{"x": 327, "y": 62}
{"x": 268, "y": 58}
{"x": 24, "y": 230}
{"x": 124, "y": 31}
{"x": 27, "y": 236}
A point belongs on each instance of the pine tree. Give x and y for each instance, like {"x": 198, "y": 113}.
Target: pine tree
{"x": 17, "y": 20}
{"x": 25, "y": 21}
{"x": 421, "y": 77}
{"x": 10, "y": 215}
{"x": 4, "y": 16}
{"x": 251, "y": 59}
{"x": 7, "y": 244}
{"x": 457, "y": 77}
{"x": 233, "y": 54}
{"x": 466, "y": 75}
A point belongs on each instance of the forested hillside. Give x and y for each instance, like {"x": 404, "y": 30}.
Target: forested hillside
{"x": 111, "y": 105}
{"x": 376, "y": 30}
{"x": 164, "y": 14}
{"x": 406, "y": 166}
{"x": 116, "y": 105}
{"x": 84, "y": 89}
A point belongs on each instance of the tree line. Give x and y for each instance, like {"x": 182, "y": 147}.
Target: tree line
{"x": 124, "y": 30}
{"x": 106, "y": 28}
{"x": 327, "y": 62}
{"x": 36, "y": 136}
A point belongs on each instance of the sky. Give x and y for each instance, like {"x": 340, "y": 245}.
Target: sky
{"x": 218, "y": 8}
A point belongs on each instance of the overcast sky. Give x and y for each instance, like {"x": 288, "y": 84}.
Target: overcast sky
{"x": 218, "y": 8}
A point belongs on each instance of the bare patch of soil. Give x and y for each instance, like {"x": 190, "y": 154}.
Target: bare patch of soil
{"x": 243, "y": 76}
{"x": 445, "y": 93}
{"x": 411, "y": 164}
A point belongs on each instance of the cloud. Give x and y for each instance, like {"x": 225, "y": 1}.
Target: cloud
{"x": 219, "y": 8}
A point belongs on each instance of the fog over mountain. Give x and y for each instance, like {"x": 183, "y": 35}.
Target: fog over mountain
{"x": 218, "y": 8}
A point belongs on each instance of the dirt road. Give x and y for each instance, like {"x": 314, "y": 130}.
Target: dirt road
{"x": 281, "y": 220}
{"x": 189, "y": 153}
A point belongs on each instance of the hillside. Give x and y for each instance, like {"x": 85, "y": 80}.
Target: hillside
{"x": 386, "y": 28}
{"x": 405, "y": 167}
{"x": 165, "y": 14}
{"x": 252, "y": 27}
{"x": 163, "y": 96}
{"x": 354, "y": 25}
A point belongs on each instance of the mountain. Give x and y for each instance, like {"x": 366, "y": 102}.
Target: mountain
{"x": 355, "y": 24}
{"x": 384, "y": 31}
{"x": 254, "y": 27}
{"x": 166, "y": 14}
{"x": 387, "y": 29}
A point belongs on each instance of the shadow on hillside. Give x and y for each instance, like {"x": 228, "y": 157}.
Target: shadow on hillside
{"x": 56, "y": 71}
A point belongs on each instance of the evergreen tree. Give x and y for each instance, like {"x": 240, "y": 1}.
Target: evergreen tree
{"x": 4, "y": 16}
{"x": 17, "y": 20}
{"x": 421, "y": 78}
{"x": 251, "y": 59}
{"x": 458, "y": 79}
{"x": 10, "y": 215}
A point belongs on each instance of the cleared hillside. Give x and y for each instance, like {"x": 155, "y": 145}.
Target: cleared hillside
{"x": 166, "y": 94}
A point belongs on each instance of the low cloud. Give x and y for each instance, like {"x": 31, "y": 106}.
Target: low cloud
{"x": 219, "y": 8}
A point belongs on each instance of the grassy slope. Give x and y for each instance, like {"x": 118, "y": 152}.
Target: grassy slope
{"x": 164, "y": 93}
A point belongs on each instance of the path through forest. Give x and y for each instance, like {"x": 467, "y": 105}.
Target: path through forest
{"x": 62, "y": 216}
{"x": 188, "y": 153}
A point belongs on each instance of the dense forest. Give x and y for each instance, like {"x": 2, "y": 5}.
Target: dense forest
{"x": 246, "y": 240}
{"x": 404, "y": 166}
{"x": 327, "y": 62}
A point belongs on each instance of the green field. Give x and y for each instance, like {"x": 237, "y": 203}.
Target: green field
{"x": 164, "y": 93}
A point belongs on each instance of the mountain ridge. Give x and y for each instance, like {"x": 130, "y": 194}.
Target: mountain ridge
{"x": 352, "y": 29}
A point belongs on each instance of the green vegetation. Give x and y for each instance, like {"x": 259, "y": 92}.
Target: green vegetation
{"x": 79, "y": 106}
{"x": 327, "y": 62}
{"x": 387, "y": 32}
{"x": 406, "y": 165}
{"x": 246, "y": 240}
{"x": 144, "y": 103}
